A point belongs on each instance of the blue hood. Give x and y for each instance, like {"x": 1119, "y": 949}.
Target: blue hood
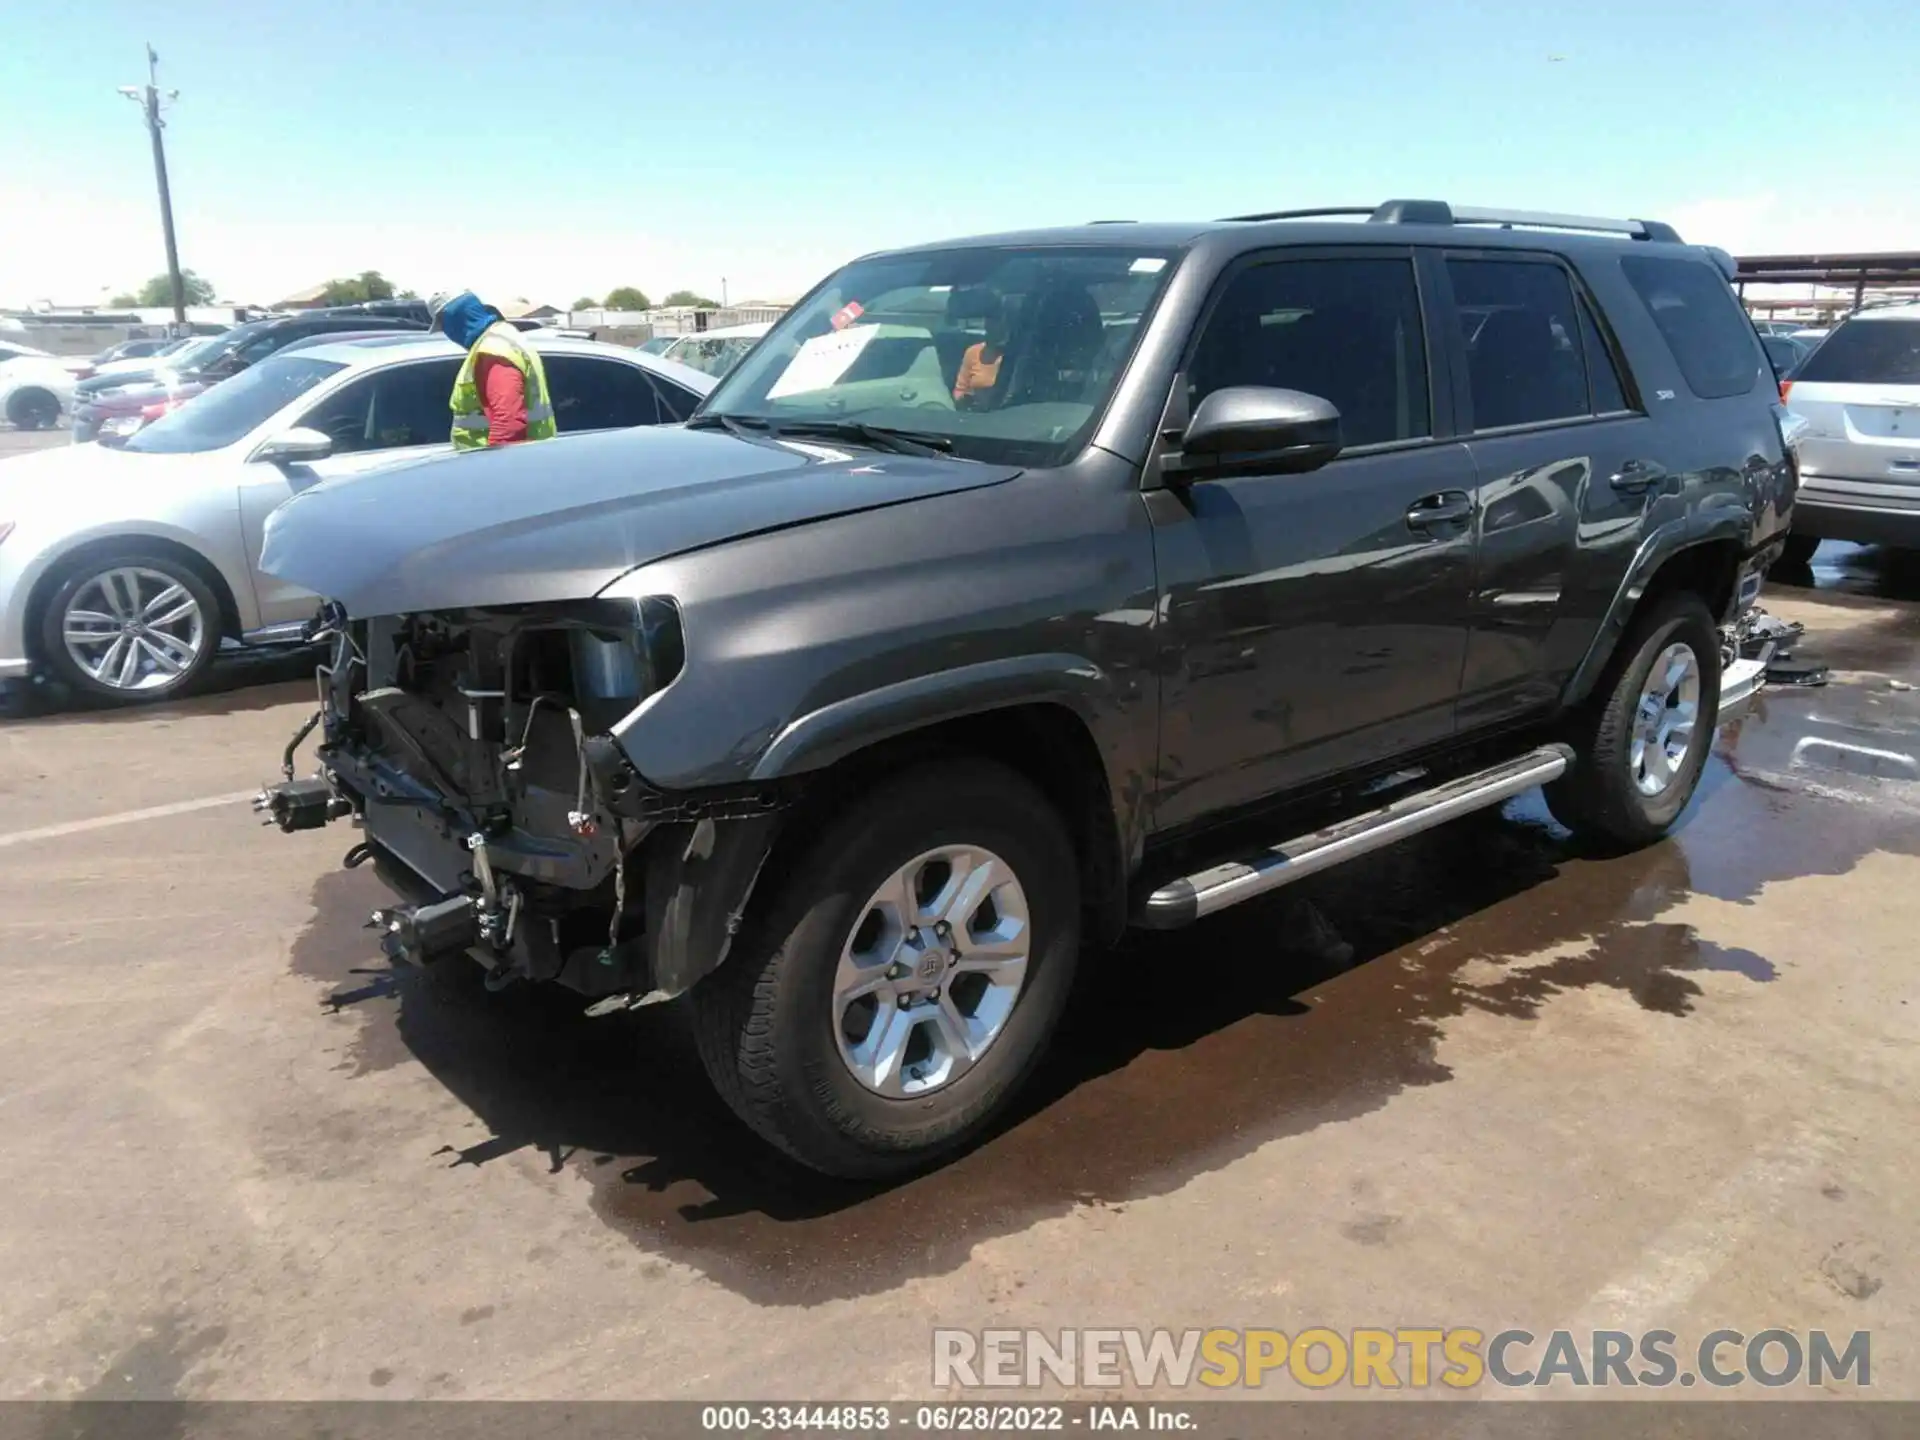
{"x": 466, "y": 318}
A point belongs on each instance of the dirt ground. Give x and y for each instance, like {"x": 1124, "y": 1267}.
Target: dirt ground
{"x": 243, "y": 1159}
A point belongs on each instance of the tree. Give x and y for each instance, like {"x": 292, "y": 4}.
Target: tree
{"x": 627, "y": 297}
{"x": 159, "y": 291}
{"x": 688, "y": 297}
{"x": 125, "y": 300}
{"x": 585, "y": 302}
{"x": 367, "y": 285}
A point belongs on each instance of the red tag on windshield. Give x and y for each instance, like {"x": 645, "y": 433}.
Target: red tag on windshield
{"x": 847, "y": 314}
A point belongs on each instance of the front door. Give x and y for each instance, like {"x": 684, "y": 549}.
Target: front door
{"x": 378, "y": 419}
{"x": 1316, "y": 622}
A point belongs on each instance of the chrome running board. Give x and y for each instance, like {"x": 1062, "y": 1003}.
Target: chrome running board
{"x": 1182, "y": 901}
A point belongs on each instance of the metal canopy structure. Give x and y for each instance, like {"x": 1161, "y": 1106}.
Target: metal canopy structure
{"x": 1885, "y": 270}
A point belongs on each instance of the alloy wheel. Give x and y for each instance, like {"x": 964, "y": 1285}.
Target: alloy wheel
{"x": 132, "y": 628}
{"x": 1663, "y": 721}
{"x": 931, "y": 971}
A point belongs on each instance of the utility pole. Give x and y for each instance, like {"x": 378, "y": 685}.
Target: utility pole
{"x": 723, "y": 292}
{"x": 148, "y": 98}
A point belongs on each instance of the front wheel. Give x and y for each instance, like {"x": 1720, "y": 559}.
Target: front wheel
{"x": 130, "y": 627}
{"x": 1641, "y": 745}
{"x": 900, "y": 982}
{"x": 32, "y": 408}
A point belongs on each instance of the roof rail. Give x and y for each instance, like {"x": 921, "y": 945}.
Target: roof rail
{"x": 1439, "y": 212}
{"x": 1312, "y": 214}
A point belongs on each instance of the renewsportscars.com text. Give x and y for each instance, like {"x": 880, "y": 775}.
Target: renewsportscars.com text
{"x": 1457, "y": 1358}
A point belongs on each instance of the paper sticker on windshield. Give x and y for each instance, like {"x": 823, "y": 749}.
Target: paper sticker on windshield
{"x": 1148, "y": 265}
{"x": 822, "y": 360}
{"x": 847, "y": 314}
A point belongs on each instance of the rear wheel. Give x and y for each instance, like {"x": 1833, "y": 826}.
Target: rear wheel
{"x": 1641, "y": 746}
{"x": 31, "y": 408}
{"x": 131, "y": 626}
{"x": 900, "y": 982}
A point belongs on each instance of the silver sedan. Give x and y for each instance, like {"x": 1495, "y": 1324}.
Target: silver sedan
{"x": 122, "y": 571}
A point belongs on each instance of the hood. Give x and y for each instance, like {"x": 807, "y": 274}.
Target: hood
{"x": 76, "y": 483}
{"x": 563, "y": 519}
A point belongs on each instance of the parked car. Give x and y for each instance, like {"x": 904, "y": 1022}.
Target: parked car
{"x": 35, "y": 390}
{"x": 1784, "y": 353}
{"x": 12, "y": 350}
{"x": 1859, "y": 394}
{"x": 848, "y": 713}
{"x": 1777, "y": 327}
{"x": 122, "y": 569}
{"x": 716, "y": 351}
{"x": 115, "y": 404}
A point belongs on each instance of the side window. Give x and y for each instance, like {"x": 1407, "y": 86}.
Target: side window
{"x": 412, "y": 404}
{"x": 1345, "y": 330}
{"x": 1522, "y": 333}
{"x": 343, "y": 416}
{"x": 675, "y": 404}
{"x": 1711, "y": 338}
{"x": 401, "y": 405}
{"x": 599, "y": 394}
{"x": 1609, "y": 395}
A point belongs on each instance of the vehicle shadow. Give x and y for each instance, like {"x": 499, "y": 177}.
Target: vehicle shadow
{"x": 1183, "y": 1051}
{"x": 244, "y": 680}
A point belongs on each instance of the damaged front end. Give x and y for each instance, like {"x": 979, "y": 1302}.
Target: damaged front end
{"x": 471, "y": 748}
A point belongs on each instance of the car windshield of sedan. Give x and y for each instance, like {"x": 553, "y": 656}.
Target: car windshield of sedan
{"x": 229, "y": 410}
{"x": 1000, "y": 353}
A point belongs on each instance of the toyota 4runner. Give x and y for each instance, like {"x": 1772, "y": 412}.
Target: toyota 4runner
{"x": 1016, "y": 590}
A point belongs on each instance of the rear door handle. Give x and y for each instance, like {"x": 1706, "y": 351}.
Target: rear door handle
{"x": 1432, "y": 512}
{"x": 1638, "y": 475}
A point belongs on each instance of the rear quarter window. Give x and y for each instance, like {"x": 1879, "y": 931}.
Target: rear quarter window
{"x": 1710, "y": 336}
{"x": 1867, "y": 352}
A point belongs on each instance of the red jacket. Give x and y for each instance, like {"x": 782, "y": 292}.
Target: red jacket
{"x": 503, "y": 396}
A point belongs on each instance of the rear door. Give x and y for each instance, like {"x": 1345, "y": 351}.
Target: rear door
{"x": 1554, "y": 443}
{"x": 592, "y": 392}
{"x": 1314, "y": 622}
{"x": 1860, "y": 396}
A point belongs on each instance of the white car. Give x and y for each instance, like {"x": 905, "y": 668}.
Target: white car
{"x": 1859, "y": 394}
{"x": 123, "y": 569}
{"x": 715, "y": 352}
{"x": 35, "y": 391}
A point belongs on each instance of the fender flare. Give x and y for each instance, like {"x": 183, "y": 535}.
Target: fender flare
{"x": 1699, "y": 527}
{"x": 831, "y": 733}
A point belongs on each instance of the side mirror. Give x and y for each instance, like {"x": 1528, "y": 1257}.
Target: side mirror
{"x": 1257, "y": 427}
{"x": 295, "y": 446}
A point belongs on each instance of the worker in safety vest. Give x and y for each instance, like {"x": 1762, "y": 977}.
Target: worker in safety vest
{"x": 500, "y": 396}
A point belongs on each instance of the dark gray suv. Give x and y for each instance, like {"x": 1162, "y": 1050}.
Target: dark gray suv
{"x": 1016, "y": 590}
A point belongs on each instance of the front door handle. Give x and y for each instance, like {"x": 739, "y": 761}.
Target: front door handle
{"x": 1638, "y": 475}
{"x": 1433, "y": 512}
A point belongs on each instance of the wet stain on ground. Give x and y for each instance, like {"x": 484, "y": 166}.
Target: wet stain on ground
{"x": 1186, "y": 1050}
{"x": 153, "y": 1367}
{"x": 234, "y": 683}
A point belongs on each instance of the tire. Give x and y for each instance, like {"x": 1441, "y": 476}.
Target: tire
{"x": 171, "y": 627}
{"x": 33, "y": 408}
{"x": 1602, "y": 798}
{"x": 1797, "y": 552}
{"x": 783, "y": 1049}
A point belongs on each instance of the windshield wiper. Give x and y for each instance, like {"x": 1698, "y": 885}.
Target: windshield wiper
{"x": 878, "y": 437}
{"x": 741, "y": 428}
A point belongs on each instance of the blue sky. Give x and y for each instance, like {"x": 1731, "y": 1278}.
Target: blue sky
{"x": 557, "y": 149}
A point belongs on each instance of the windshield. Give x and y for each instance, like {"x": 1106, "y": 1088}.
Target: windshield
{"x": 1868, "y": 352}
{"x": 228, "y": 411}
{"x": 1007, "y": 353}
{"x": 194, "y": 352}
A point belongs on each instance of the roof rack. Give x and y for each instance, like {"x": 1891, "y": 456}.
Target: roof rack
{"x": 1439, "y": 212}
